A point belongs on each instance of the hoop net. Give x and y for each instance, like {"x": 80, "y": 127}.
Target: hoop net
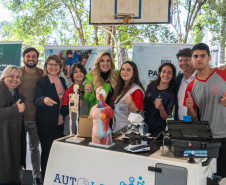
{"x": 125, "y": 17}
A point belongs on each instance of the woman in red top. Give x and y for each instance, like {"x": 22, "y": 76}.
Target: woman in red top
{"x": 128, "y": 96}
{"x": 77, "y": 75}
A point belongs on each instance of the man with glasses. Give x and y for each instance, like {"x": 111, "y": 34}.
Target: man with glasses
{"x": 31, "y": 74}
{"x": 182, "y": 80}
{"x": 189, "y": 73}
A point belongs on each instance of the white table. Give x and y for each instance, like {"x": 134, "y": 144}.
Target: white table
{"x": 80, "y": 164}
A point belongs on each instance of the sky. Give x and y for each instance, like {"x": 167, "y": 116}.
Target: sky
{"x": 4, "y": 14}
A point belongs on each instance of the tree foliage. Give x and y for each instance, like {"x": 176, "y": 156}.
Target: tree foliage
{"x": 44, "y": 18}
{"x": 65, "y": 22}
{"x": 192, "y": 9}
{"x": 212, "y": 19}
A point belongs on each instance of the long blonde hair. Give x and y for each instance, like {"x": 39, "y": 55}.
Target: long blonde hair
{"x": 98, "y": 81}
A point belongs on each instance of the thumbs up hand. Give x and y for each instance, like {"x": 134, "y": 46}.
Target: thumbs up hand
{"x": 189, "y": 101}
{"x": 158, "y": 104}
{"x": 223, "y": 100}
{"x": 128, "y": 99}
{"x": 88, "y": 88}
{"x": 21, "y": 106}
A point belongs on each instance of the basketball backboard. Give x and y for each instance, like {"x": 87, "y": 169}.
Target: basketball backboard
{"x": 140, "y": 11}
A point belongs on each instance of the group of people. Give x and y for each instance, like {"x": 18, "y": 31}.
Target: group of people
{"x": 73, "y": 57}
{"x": 41, "y": 99}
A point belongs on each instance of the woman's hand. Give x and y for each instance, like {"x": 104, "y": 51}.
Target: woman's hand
{"x": 21, "y": 106}
{"x": 158, "y": 104}
{"x": 49, "y": 102}
{"x": 88, "y": 88}
{"x": 128, "y": 99}
{"x": 160, "y": 107}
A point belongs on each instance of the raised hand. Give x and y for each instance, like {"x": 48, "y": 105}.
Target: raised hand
{"x": 88, "y": 88}
{"x": 189, "y": 101}
{"x": 223, "y": 100}
{"x": 49, "y": 102}
{"x": 21, "y": 106}
{"x": 158, "y": 104}
{"x": 128, "y": 99}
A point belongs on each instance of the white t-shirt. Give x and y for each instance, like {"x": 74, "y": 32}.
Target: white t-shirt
{"x": 182, "y": 110}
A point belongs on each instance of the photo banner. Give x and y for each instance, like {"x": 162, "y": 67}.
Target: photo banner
{"x": 90, "y": 52}
{"x": 10, "y": 54}
{"x": 148, "y": 57}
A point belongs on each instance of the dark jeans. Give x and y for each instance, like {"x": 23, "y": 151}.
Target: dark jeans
{"x": 46, "y": 136}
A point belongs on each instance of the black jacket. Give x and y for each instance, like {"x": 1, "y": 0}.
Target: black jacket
{"x": 47, "y": 115}
{"x": 178, "y": 82}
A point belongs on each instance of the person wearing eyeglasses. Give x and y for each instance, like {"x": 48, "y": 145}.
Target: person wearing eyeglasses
{"x": 48, "y": 99}
{"x": 12, "y": 133}
{"x": 183, "y": 79}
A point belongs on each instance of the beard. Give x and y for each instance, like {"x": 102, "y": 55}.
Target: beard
{"x": 30, "y": 66}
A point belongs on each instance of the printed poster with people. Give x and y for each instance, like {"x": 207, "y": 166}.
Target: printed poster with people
{"x": 86, "y": 55}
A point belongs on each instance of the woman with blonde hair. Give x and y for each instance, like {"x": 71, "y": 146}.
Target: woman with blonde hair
{"x": 48, "y": 99}
{"x": 103, "y": 74}
{"x": 12, "y": 134}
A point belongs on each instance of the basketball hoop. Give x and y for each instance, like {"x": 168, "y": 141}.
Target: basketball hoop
{"x": 125, "y": 17}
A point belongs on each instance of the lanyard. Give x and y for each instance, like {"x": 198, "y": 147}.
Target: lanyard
{"x": 15, "y": 94}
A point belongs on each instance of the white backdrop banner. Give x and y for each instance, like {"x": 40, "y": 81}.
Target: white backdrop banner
{"x": 148, "y": 57}
{"x": 83, "y": 50}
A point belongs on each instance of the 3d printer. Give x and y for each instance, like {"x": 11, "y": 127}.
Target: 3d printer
{"x": 192, "y": 139}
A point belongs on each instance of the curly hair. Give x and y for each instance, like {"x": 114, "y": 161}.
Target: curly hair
{"x": 98, "y": 81}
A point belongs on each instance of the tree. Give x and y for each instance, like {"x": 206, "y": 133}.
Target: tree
{"x": 41, "y": 18}
{"x": 213, "y": 19}
{"x": 192, "y": 7}
{"x": 2, "y": 34}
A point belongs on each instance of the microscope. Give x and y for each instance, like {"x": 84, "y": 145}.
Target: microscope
{"x": 138, "y": 129}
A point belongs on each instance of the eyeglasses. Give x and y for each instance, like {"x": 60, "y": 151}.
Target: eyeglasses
{"x": 185, "y": 60}
{"x": 53, "y": 65}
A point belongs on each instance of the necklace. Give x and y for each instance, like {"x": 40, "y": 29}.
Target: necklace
{"x": 58, "y": 90}
{"x": 57, "y": 86}
{"x": 159, "y": 97}
{"x": 161, "y": 91}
